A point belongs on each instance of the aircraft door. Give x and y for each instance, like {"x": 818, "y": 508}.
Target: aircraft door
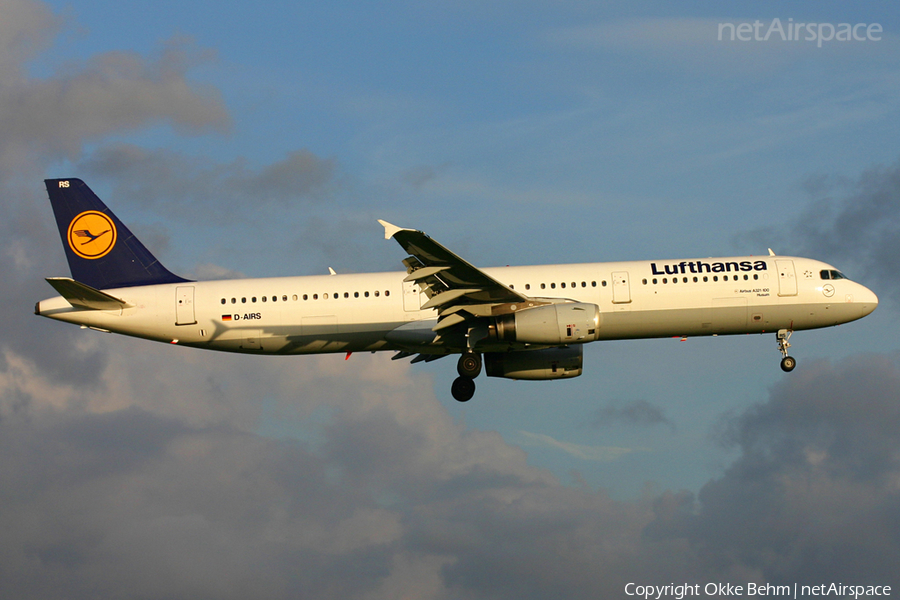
{"x": 184, "y": 305}
{"x": 621, "y": 289}
{"x": 787, "y": 280}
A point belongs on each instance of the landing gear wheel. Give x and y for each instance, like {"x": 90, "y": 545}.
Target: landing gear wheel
{"x": 463, "y": 389}
{"x": 788, "y": 363}
{"x": 469, "y": 365}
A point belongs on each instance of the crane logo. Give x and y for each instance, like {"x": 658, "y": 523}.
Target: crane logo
{"x": 92, "y": 235}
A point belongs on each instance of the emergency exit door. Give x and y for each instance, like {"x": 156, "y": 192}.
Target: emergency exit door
{"x": 184, "y": 305}
{"x": 621, "y": 289}
{"x": 787, "y": 279}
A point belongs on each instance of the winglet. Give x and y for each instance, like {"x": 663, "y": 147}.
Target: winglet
{"x": 771, "y": 253}
{"x": 390, "y": 229}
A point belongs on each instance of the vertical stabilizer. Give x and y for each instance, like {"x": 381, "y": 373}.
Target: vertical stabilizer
{"x": 102, "y": 251}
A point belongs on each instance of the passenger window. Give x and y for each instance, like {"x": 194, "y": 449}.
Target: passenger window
{"x": 387, "y": 292}
{"x": 527, "y": 286}
{"x": 223, "y": 300}
{"x": 356, "y": 294}
{"x": 377, "y": 293}
{"x": 552, "y": 286}
{"x": 264, "y": 298}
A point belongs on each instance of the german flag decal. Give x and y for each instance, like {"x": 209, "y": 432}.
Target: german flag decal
{"x": 226, "y": 317}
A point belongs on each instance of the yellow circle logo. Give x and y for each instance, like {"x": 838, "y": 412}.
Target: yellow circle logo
{"x": 92, "y": 235}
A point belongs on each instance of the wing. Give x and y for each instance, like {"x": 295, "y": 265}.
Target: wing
{"x": 458, "y": 290}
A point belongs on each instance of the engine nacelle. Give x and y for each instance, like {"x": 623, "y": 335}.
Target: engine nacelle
{"x": 549, "y": 363}
{"x": 566, "y": 323}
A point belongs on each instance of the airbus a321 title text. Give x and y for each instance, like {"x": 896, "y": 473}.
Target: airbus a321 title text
{"x": 719, "y": 590}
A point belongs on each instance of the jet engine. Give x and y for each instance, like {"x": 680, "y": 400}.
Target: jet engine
{"x": 567, "y": 323}
{"x": 548, "y": 363}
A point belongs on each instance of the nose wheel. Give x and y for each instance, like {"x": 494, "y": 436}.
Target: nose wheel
{"x": 787, "y": 362}
{"x": 468, "y": 367}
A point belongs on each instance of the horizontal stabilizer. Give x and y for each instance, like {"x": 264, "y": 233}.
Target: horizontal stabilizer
{"x": 84, "y": 296}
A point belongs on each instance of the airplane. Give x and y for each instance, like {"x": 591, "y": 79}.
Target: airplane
{"x": 518, "y": 322}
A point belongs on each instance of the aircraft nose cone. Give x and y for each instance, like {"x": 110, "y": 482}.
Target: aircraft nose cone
{"x": 867, "y": 300}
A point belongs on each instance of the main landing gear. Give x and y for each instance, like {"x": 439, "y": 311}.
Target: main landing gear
{"x": 468, "y": 367}
{"x": 787, "y": 362}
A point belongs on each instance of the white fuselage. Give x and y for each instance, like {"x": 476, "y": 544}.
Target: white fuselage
{"x": 378, "y": 311}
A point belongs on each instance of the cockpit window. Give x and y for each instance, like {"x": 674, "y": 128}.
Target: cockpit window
{"x": 831, "y": 274}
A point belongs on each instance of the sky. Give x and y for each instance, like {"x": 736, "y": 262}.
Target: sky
{"x": 242, "y": 140}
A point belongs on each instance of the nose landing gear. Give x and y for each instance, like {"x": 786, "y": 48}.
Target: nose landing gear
{"x": 787, "y": 362}
{"x": 468, "y": 367}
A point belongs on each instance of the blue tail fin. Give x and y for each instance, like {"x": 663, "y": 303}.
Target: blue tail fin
{"x": 102, "y": 252}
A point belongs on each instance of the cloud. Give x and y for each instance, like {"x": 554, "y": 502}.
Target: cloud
{"x": 200, "y": 189}
{"x": 638, "y": 412}
{"x": 849, "y": 220}
{"x": 112, "y": 92}
{"x": 26, "y": 29}
{"x": 815, "y": 491}
{"x": 581, "y": 451}
{"x": 859, "y": 220}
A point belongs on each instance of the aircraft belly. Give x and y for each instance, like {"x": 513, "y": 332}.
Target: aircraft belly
{"x": 722, "y": 317}
{"x": 313, "y": 337}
